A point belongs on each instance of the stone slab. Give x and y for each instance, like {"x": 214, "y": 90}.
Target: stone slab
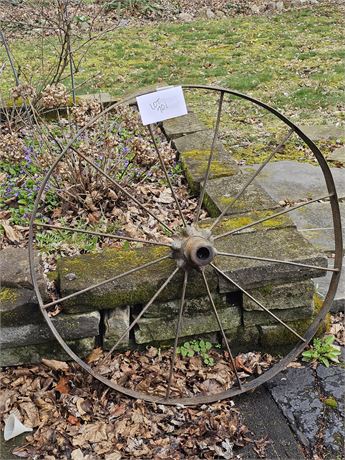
{"x": 161, "y": 329}
{"x": 243, "y": 339}
{"x": 195, "y": 164}
{"x": 323, "y": 132}
{"x": 71, "y": 327}
{"x": 15, "y": 270}
{"x": 316, "y": 215}
{"x": 315, "y": 223}
{"x": 322, "y": 239}
{"x": 283, "y": 244}
{"x": 264, "y": 419}
{"x": 103, "y": 98}
{"x": 194, "y": 150}
{"x": 337, "y": 156}
{"x": 221, "y": 192}
{"x": 322, "y": 286}
{"x": 295, "y": 393}
{"x": 180, "y": 126}
{"x": 200, "y": 305}
{"x": 18, "y": 306}
{"x": 131, "y": 97}
{"x": 50, "y": 350}
{"x": 198, "y": 141}
{"x": 332, "y": 381}
{"x": 116, "y": 323}
{"x": 275, "y": 336}
{"x": 334, "y": 435}
{"x": 291, "y": 180}
{"x": 302, "y": 396}
{"x": 77, "y": 273}
{"x": 283, "y": 297}
{"x": 252, "y": 318}
{"x": 234, "y": 222}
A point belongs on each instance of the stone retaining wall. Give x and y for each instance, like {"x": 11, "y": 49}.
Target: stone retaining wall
{"x": 103, "y": 314}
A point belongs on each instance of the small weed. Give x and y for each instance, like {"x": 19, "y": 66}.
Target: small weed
{"x": 331, "y": 402}
{"x": 323, "y": 351}
{"x": 197, "y": 347}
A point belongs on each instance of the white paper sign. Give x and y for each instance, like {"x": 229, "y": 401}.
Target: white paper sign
{"x": 162, "y": 105}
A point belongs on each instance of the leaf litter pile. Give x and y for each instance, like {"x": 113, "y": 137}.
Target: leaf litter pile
{"x": 148, "y": 371}
{"x": 75, "y": 417}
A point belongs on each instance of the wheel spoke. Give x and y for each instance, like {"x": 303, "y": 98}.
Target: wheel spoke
{"x": 214, "y": 140}
{"x": 221, "y": 329}
{"x": 285, "y": 211}
{"x": 143, "y": 311}
{"x": 119, "y": 186}
{"x": 258, "y": 303}
{"x": 102, "y": 283}
{"x": 251, "y": 179}
{"x": 278, "y": 261}
{"x": 167, "y": 175}
{"x": 106, "y": 235}
{"x": 177, "y": 334}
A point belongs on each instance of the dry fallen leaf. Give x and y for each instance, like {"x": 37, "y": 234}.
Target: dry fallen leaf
{"x": 113, "y": 456}
{"x": 56, "y": 365}
{"x": 77, "y": 454}
{"x": 95, "y": 355}
{"x": 73, "y": 420}
{"x": 31, "y": 414}
{"x": 118, "y": 410}
{"x": 11, "y": 233}
{"x": 93, "y": 432}
{"x": 79, "y": 404}
{"x": 63, "y": 385}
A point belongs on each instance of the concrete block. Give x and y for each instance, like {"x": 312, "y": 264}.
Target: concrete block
{"x": 33, "y": 354}
{"x": 116, "y": 323}
{"x": 163, "y": 329}
{"x": 70, "y": 327}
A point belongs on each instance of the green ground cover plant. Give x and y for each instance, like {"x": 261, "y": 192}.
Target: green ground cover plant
{"x": 200, "y": 348}
{"x": 323, "y": 351}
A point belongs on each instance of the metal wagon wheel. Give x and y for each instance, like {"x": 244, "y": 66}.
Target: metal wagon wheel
{"x": 195, "y": 249}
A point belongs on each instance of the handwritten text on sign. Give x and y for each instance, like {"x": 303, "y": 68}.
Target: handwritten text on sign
{"x": 162, "y": 105}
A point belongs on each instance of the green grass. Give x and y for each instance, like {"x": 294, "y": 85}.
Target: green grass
{"x": 293, "y": 61}
{"x": 299, "y": 53}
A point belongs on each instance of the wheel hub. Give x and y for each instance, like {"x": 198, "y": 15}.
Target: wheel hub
{"x": 195, "y": 249}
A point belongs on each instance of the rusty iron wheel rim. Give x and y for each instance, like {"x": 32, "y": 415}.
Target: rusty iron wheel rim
{"x": 308, "y": 335}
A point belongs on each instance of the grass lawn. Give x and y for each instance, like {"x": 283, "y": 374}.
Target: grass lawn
{"x": 294, "y": 60}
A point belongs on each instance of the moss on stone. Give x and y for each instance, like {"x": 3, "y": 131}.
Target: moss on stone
{"x": 221, "y": 193}
{"x": 134, "y": 288}
{"x": 210, "y": 206}
{"x": 51, "y": 350}
{"x": 8, "y": 295}
{"x": 195, "y": 162}
{"x": 243, "y": 339}
{"x": 237, "y": 221}
{"x": 331, "y": 402}
{"x": 278, "y": 335}
{"x": 112, "y": 260}
{"x": 267, "y": 289}
{"x": 325, "y": 325}
{"x": 164, "y": 328}
{"x": 53, "y": 276}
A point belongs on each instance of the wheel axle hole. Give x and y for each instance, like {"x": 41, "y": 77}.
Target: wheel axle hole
{"x": 203, "y": 253}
